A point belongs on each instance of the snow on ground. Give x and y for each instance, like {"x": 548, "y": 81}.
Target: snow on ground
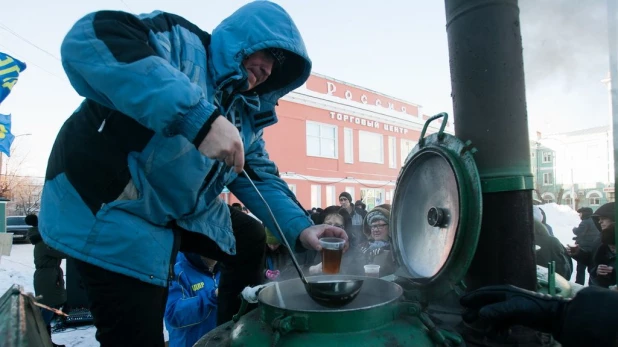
{"x": 18, "y": 268}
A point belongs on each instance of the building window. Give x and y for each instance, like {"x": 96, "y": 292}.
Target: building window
{"x": 548, "y": 178}
{"x": 406, "y": 147}
{"x": 330, "y": 196}
{"x": 392, "y": 152}
{"x": 321, "y": 140}
{"x": 372, "y": 197}
{"x": 594, "y": 199}
{"x": 546, "y": 157}
{"x": 292, "y": 188}
{"x": 316, "y": 195}
{"x": 532, "y": 154}
{"x": 348, "y": 145}
{"x": 370, "y": 147}
{"x": 611, "y": 197}
{"x": 568, "y": 201}
{"x": 351, "y": 191}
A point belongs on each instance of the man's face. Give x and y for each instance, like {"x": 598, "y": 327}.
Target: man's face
{"x": 344, "y": 202}
{"x": 259, "y": 66}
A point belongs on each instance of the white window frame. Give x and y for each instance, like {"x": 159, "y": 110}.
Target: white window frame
{"x": 545, "y": 180}
{"x": 316, "y": 201}
{"x": 320, "y": 155}
{"x": 392, "y": 152}
{"x": 331, "y": 196}
{"x": 594, "y": 199}
{"x": 547, "y": 157}
{"x": 351, "y": 190}
{"x": 348, "y": 145}
{"x": 404, "y": 154}
{"x": 292, "y": 188}
{"x": 360, "y": 151}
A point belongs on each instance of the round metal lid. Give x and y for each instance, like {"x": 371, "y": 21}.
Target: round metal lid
{"x": 436, "y": 213}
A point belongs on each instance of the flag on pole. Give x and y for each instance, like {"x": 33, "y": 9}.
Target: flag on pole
{"x": 9, "y": 72}
{"x": 6, "y": 138}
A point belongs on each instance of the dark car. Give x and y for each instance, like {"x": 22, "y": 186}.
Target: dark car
{"x": 18, "y": 227}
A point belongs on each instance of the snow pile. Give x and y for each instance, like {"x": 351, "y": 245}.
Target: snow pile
{"x": 562, "y": 219}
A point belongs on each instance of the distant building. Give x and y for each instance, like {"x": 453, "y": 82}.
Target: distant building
{"x": 575, "y": 168}
{"x": 333, "y": 136}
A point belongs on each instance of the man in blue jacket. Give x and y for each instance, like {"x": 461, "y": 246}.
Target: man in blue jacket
{"x": 171, "y": 116}
{"x": 191, "y": 309}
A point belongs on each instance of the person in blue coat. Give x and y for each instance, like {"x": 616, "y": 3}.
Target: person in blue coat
{"x": 191, "y": 309}
{"x": 171, "y": 117}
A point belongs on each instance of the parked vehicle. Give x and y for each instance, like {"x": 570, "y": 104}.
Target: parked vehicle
{"x": 18, "y": 227}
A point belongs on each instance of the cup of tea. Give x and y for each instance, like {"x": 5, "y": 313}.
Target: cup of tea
{"x": 372, "y": 270}
{"x": 332, "y": 250}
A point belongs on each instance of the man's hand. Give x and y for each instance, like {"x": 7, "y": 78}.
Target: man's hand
{"x": 310, "y": 237}
{"x": 504, "y": 305}
{"x": 223, "y": 143}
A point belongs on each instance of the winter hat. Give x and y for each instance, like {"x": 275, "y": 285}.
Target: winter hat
{"x": 360, "y": 204}
{"x": 346, "y": 195}
{"x": 379, "y": 213}
{"x": 270, "y": 238}
{"x": 538, "y": 215}
{"x": 585, "y": 211}
{"x": 606, "y": 211}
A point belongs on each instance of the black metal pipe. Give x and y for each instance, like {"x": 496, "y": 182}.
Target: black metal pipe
{"x": 489, "y": 104}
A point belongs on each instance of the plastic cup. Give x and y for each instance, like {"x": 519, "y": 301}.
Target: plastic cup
{"x": 372, "y": 270}
{"x": 332, "y": 250}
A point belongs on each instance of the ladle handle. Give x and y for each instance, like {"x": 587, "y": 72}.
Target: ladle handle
{"x": 272, "y": 216}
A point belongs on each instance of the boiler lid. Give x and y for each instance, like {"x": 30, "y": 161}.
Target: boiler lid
{"x": 436, "y": 214}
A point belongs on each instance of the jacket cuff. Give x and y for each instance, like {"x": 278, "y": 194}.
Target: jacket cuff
{"x": 294, "y": 228}
{"x": 200, "y": 115}
{"x": 201, "y": 134}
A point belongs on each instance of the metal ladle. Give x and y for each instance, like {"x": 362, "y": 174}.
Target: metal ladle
{"x": 333, "y": 293}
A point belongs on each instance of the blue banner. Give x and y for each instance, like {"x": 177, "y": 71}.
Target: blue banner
{"x": 9, "y": 72}
{"x": 6, "y": 138}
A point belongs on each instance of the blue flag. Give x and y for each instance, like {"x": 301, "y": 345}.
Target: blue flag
{"x": 6, "y": 138}
{"x": 9, "y": 72}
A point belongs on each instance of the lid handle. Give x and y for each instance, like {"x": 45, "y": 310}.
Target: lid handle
{"x": 421, "y": 140}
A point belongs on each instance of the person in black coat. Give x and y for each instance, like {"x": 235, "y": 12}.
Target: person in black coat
{"x": 551, "y": 250}
{"x": 585, "y": 235}
{"x": 603, "y": 273}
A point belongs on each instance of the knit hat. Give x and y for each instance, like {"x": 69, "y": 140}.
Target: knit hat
{"x": 346, "y": 195}
{"x": 379, "y": 213}
{"x": 270, "y": 238}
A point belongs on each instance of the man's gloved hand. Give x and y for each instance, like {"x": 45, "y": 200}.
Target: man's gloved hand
{"x": 502, "y": 306}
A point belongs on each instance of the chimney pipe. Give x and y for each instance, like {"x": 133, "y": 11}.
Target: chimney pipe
{"x": 489, "y": 104}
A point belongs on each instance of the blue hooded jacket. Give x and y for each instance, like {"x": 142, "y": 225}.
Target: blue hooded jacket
{"x": 191, "y": 309}
{"x": 125, "y": 166}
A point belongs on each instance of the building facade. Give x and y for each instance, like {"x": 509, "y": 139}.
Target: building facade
{"x": 575, "y": 168}
{"x": 333, "y": 136}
